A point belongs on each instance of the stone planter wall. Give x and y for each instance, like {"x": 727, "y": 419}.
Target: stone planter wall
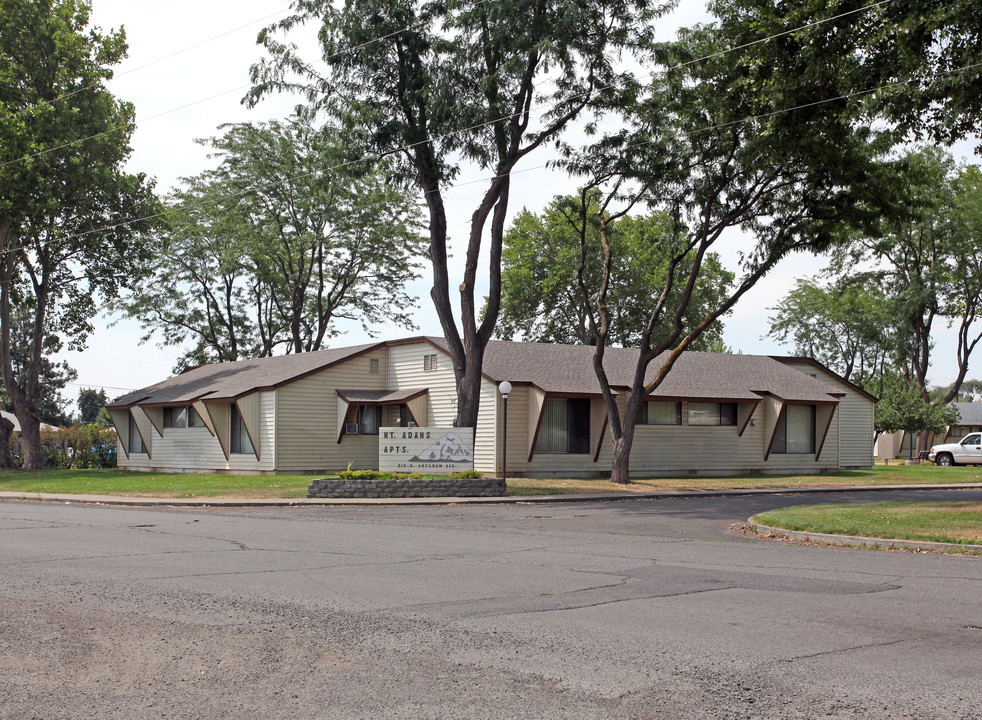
{"x": 441, "y": 487}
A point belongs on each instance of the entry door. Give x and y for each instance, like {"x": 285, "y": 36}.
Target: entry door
{"x": 970, "y": 449}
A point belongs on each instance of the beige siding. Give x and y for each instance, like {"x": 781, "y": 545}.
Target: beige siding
{"x": 220, "y": 414}
{"x": 156, "y": 417}
{"x": 853, "y": 424}
{"x": 195, "y": 449}
{"x": 145, "y": 428}
{"x": 308, "y": 428}
{"x": 660, "y": 450}
{"x": 121, "y": 419}
{"x": 405, "y": 370}
{"x": 486, "y": 436}
{"x": 249, "y": 411}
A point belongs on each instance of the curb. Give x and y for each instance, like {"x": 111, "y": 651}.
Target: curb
{"x": 507, "y": 500}
{"x": 857, "y": 541}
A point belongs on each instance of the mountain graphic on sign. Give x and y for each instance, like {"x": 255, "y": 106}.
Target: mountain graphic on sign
{"x": 449, "y": 448}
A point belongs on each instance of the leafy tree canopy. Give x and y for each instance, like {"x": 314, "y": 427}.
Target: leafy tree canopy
{"x": 541, "y": 301}
{"x": 439, "y": 84}
{"x": 279, "y": 242}
{"x": 70, "y": 218}
{"x": 845, "y": 324}
{"x": 902, "y": 407}
{"x": 91, "y": 403}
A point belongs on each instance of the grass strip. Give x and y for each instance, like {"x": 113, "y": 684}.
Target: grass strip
{"x": 948, "y": 522}
{"x": 189, "y": 485}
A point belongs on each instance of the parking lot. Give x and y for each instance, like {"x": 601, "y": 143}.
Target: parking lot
{"x": 628, "y": 609}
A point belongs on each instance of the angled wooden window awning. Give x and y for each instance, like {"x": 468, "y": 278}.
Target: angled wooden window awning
{"x": 413, "y": 398}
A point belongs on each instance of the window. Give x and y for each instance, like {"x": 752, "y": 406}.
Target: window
{"x": 660, "y": 413}
{"x": 369, "y": 418}
{"x": 565, "y": 426}
{"x": 795, "y": 433}
{"x": 194, "y": 420}
{"x": 136, "y": 442}
{"x": 975, "y": 439}
{"x": 176, "y": 417}
{"x": 239, "y": 436}
{"x": 373, "y": 366}
{"x": 712, "y": 413}
{"x": 183, "y": 416}
{"x": 429, "y": 362}
{"x": 406, "y": 417}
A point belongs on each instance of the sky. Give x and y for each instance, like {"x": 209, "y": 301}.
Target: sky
{"x": 186, "y": 73}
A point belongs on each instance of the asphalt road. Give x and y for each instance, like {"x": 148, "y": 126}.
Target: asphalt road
{"x": 636, "y": 609}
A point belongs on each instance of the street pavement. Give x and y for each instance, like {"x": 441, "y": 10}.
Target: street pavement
{"x": 630, "y": 609}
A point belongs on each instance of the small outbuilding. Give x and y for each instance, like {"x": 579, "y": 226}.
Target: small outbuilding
{"x": 322, "y": 412}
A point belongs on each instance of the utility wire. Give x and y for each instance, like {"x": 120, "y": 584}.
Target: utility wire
{"x": 541, "y": 109}
{"x": 152, "y": 62}
{"x": 120, "y": 128}
{"x": 372, "y": 158}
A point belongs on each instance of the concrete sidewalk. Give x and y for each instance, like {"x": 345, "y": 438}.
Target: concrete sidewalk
{"x": 508, "y": 500}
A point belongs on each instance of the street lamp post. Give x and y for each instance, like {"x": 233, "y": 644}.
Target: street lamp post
{"x": 504, "y": 388}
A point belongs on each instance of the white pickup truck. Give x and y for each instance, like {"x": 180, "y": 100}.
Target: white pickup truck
{"x": 967, "y": 451}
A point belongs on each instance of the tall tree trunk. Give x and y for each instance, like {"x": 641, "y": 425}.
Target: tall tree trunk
{"x": 26, "y": 401}
{"x": 620, "y": 468}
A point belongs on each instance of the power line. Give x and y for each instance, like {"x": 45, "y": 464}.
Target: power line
{"x": 119, "y": 128}
{"x": 152, "y": 62}
{"x": 540, "y": 109}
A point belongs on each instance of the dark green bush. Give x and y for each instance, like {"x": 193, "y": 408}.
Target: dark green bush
{"x": 376, "y": 475}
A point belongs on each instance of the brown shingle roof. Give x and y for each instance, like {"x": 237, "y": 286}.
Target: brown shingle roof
{"x": 231, "y": 380}
{"x": 559, "y": 369}
{"x": 569, "y": 369}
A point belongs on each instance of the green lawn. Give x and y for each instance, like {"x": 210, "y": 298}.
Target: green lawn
{"x": 951, "y": 522}
{"x": 878, "y": 475}
{"x": 173, "y": 485}
{"x": 124, "y": 482}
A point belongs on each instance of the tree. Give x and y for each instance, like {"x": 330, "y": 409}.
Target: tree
{"x": 435, "y": 84}
{"x": 927, "y": 261}
{"x": 902, "y": 407}
{"x": 540, "y": 296}
{"x": 63, "y": 241}
{"x": 91, "y": 403}
{"x": 912, "y": 64}
{"x": 714, "y": 145}
{"x": 276, "y": 244}
{"x": 847, "y": 325}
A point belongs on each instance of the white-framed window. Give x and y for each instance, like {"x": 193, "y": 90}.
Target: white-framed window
{"x": 795, "y": 432}
{"x": 565, "y": 427}
{"x": 136, "y": 441}
{"x": 239, "y": 441}
{"x": 701, "y": 413}
{"x": 660, "y": 413}
{"x": 373, "y": 366}
{"x": 429, "y": 362}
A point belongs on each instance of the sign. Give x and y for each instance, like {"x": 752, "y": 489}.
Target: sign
{"x": 425, "y": 450}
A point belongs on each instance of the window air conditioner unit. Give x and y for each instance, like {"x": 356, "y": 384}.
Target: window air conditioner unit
{"x": 351, "y": 428}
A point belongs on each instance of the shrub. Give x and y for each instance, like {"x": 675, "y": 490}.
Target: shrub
{"x": 376, "y": 475}
{"x": 80, "y": 446}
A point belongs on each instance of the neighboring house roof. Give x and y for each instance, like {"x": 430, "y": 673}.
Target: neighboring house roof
{"x": 554, "y": 369}
{"x": 969, "y": 413}
{"x": 226, "y": 381}
{"x": 13, "y": 418}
